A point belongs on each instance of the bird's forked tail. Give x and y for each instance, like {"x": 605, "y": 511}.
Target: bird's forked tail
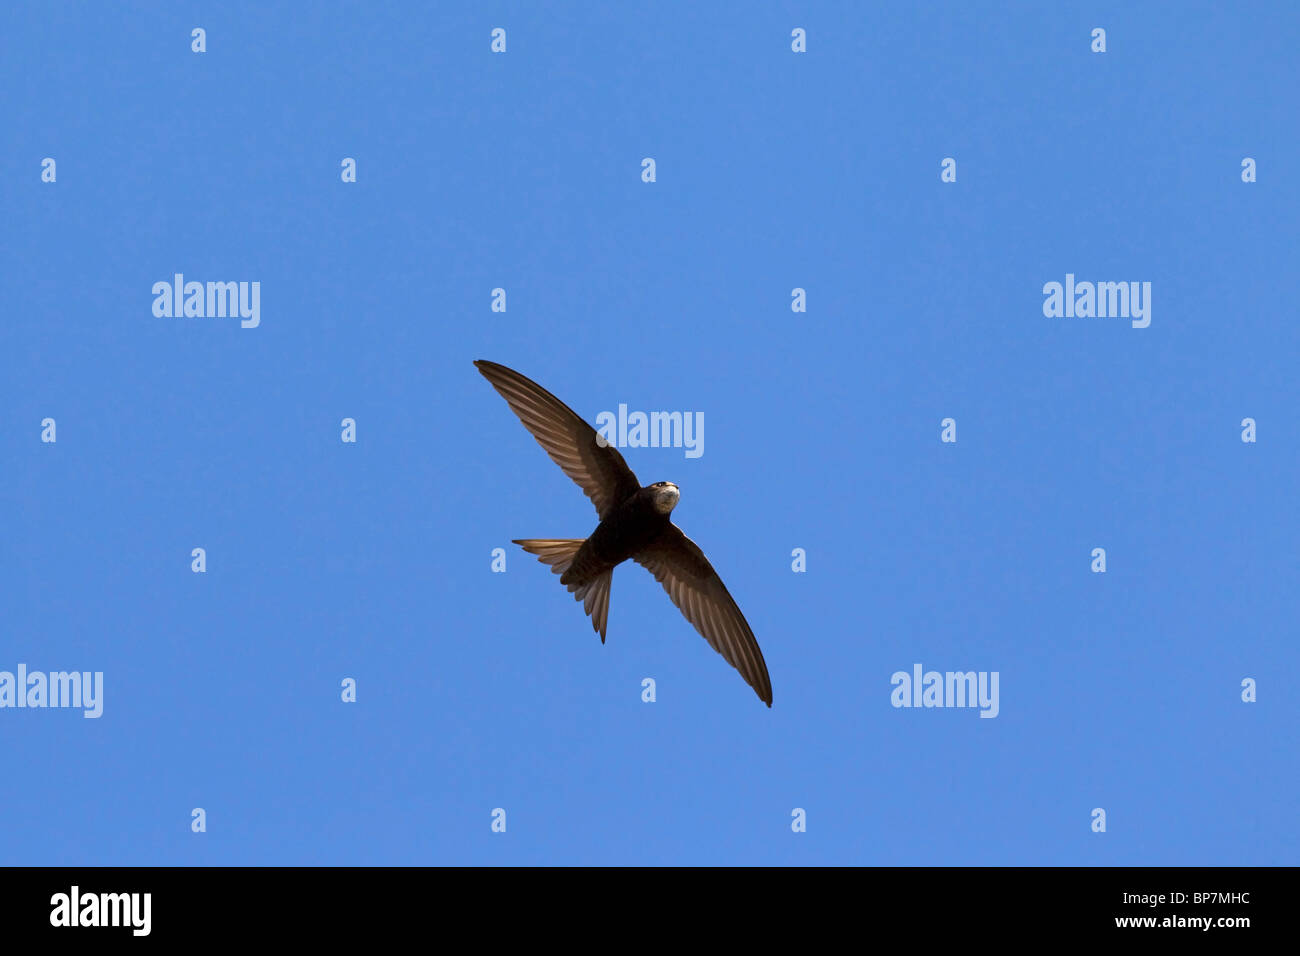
{"x": 593, "y": 593}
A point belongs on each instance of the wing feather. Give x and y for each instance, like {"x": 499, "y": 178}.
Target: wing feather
{"x": 600, "y": 472}
{"x": 686, "y": 574}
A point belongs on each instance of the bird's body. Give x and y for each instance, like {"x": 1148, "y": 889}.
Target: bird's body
{"x": 630, "y": 527}
{"x": 635, "y": 524}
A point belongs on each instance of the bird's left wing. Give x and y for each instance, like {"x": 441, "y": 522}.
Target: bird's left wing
{"x": 681, "y": 567}
{"x": 600, "y": 472}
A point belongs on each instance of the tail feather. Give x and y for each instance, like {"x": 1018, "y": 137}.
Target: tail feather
{"x": 557, "y": 552}
{"x": 593, "y": 593}
{"x": 595, "y": 598}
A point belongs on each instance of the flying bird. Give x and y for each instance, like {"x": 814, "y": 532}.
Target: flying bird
{"x": 634, "y": 523}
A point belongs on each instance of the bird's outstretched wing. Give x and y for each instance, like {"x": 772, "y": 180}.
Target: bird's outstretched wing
{"x": 601, "y": 473}
{"x": 681, "y": 567}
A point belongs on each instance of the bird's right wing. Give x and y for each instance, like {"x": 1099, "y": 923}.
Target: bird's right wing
{"x": 686, "y": 574}
{"x": 600, "y": 472}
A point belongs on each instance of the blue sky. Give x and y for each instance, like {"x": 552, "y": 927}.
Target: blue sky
{"x": 774, "y": 171}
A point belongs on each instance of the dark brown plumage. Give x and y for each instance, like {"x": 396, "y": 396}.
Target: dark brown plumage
{"x": 634, "y": 523}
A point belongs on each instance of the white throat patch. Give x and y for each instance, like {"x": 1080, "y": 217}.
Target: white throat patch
{"x": 666, "y": 498}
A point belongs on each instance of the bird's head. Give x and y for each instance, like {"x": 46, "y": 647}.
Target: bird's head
{"x": 665, "y": 495}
